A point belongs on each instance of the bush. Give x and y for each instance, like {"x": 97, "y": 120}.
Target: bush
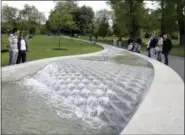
{"x": 147, "y": 35}
{"x": 175, "y": 37}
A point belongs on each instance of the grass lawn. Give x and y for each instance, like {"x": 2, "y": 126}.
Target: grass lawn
{"x": 178, "y": 50}
{"x": 44, "y": 47}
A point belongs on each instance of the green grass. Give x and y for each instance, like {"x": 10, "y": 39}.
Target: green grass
{"x": 41, "y": 47}
{"x": 4, "y": 42}
{"x": 178, "y": 50}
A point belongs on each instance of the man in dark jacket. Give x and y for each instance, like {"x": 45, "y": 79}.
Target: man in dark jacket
{"x": 138, "y": 44}
{"x": 139, "y": 40}
{"x": 167, "y": 46}
{"x": 152, "y": 46}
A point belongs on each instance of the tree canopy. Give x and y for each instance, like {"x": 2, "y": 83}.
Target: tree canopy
{"x": 28, "y": 19}
{"x": 68, "y": 17}
{"x": 130, "y": 18}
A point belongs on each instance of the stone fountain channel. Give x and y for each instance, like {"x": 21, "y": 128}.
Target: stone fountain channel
{"x": 92, "y": 95}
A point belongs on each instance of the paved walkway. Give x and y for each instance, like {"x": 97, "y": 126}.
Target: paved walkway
{"x": 176, "y": 63}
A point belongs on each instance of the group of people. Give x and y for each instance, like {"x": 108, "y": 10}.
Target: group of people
{"x": 135, "y": 45}
{"x": 157, "y": 45}
{"x": 18, "y": 47}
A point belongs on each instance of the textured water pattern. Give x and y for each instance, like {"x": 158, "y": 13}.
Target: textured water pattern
{"x": 100, "y": 94}
{"x": 91, "y": 95}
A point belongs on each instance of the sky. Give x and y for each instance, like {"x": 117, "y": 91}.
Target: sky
{"x": 47, "y": 6}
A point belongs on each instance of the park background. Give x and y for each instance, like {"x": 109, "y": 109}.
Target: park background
{"x": 125, "y": 19}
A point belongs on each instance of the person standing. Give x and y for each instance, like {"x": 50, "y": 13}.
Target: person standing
{"x": 167, "y": 46}
{"x": 158, "y": 48}
{"x": 130, "y": 45}
{"x": 22, "y": 49}
{"x": 148, "y": 45}
{"x": 138, "y": 44}
{"x": 136, "y": 47}
{"x": 13, "y": 47}
{"x": 152, "y": 46}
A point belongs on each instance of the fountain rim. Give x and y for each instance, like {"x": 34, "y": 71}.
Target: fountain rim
{"x": 158, "y": 102}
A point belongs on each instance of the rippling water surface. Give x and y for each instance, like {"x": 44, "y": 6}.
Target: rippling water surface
{"x": 95, "y": 95}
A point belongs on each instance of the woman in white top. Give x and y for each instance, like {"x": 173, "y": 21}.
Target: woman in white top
{"x": 130, "y": 47}
{"x": 23, "y": 48}
{"x": 13, "y": 47}
{"x": 158, "y": 48}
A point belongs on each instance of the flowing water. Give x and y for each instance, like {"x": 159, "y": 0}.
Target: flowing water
{"x": 93, "y": 95}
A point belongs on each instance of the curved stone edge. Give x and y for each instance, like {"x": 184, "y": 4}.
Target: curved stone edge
{"x": 162, "y": 109}
{"x": 16, "y": 72}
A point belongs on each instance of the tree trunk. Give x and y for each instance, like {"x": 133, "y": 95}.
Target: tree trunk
{"x": 181, "y": 22}
{"x": 163, "y": 31}
{"x": 59, "y": 38}
{"x": 132, "y": 32}
{"x": 182, "y": 39}
{"x": 135, "y": 32}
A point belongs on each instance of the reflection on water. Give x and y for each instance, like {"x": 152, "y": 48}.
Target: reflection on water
{"x": 120, "y": 57}
{"x": 95, "y": 95}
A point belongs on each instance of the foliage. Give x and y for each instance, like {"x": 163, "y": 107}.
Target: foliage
{"x": 103, "y": 27}
{"x": 9, "y": 18}
{"x": 27, "y": 19}
{"x": 128, "y": 16}
{"x": 85, "y": 19}
{"x": 67, "y": 17}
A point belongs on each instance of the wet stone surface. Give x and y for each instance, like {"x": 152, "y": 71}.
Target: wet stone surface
{"x": 81, "y": 96}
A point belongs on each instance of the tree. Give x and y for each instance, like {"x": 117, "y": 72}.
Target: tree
{"x": 83, "y": 18}
{"x": 27, "y": 20}
{"x": 9, "y": 17}
{"x": 95, "y": 28}
{"x": 163, "y": 30}
{"x": 102, "y": 18}
{"x": 173, "y": 18}
{"x": 61, "y": 17}
{"x": 103, "y": 27}
{"x": 69, "y": 18}
{"x": 30, "y": 18}
{"x": 181, "y": 20}
{"x": 128, "y": 16}
{"x": 151, "y": 22}
{"x": 43, "y": 29}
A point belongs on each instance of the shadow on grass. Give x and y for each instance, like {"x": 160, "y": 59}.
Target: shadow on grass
{"x": 60, "y": 49}
{"x": 4, "y": 51}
